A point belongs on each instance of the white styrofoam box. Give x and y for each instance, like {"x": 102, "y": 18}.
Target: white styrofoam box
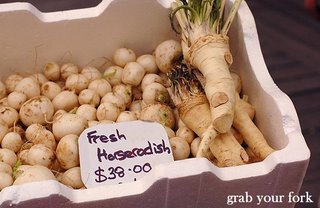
{"x": 29, "y": 39}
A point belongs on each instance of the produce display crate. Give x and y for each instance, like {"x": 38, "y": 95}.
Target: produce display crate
{"x": 30, "y": 38}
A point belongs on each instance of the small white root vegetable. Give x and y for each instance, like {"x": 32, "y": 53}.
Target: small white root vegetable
{"x": 50, "y": 89}
{"x": 16, "y": 99}
{"x": 122, "y": 56}
{"x": 67, "y": 151}
{"x": 20, "y": 170}
{"x": 18, "y": 129}
{"x": 106, "y": 122}
{"x": 154, "y": 93}
{"x": 77, "y": 82}
{"x": 36, "y": 110}
{"x": 3, "y": 129}
{"x": 3, "y": 90}
{"x": 124, "y": 91}
{"x": 180, "y": 148}
{"x": 88, "y": 96}
{"x": 8, "y": 156}
{"x": 101, "y": 86}
{"x": 136, "y": 107}
{"x": 132, "y": 73}
{"x": 5, "y": 180}
{"x": 58, "y": 113}
{"x": 4, "y": 102}
{"x": 68, "y": 124}
{"x": 12, "y": 141}
{"x": 72, "y": 178}
{"x": 126, "y": 116}
{"x": 52, "y": 71}
{"x": 194, "y": 146}
{"x": 107, "y": 111}
{"x": 150, "y": 78}
{"x": 92, "y": 123}
{"x": 23, "y": 156}
{"x": 9, "y": 115}
{"x": 148, "y": 62}
{"x": 68, "y": 69}
{"x": 87, "y": 111}
{"x": 61, "y": 83}
{"x": 29, "y": 87}
{"x": 165, "y": 53}
{"x": 5, "y": 168}
{"x": 33, "y": 174}
{"x": 170, "y": 132}
{"x": 160, "y": 113}
{"x": 116, "y": 99}
{"x": 38, "y": 134}
{"x": 91, "y": 73}
{"x": 65, "y": 100}
{"x": 186, "y": 133}
{"x": 113, "y": 74}
{"x": 39, "y": 154}
{"x": 12, "y": 81}
{"x": 39, "y": 78}
{"x": 25, "y": 146}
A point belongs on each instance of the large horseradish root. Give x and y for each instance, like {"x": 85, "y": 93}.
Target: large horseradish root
{"x": 193, "y": 107}
{"x": 205, "y": 46}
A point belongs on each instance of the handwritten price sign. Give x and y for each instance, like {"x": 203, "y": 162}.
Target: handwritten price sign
{"x": 122, "y": 152}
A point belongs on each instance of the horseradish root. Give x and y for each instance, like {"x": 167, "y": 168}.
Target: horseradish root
{"x": 188, "y": 96}
{"x": 206, "y": 47}
{"x": 225, "y": 146}
{"x": 251, "y": 134}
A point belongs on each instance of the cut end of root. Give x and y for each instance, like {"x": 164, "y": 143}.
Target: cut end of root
{"x": 244, "y": 156}
{"x": 218, "y": 98}
{"x": 223, "y": 123}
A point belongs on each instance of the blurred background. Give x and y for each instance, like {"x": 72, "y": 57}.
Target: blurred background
{"x": 289, "y": 33}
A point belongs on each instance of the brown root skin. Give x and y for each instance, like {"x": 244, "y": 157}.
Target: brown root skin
{"x": 251, "y": 134}
{"x": 202, "y": 126}
{"x": 211, "y": 55}
{"x": 158, "y": 112}
{"x": 227, "y": 150}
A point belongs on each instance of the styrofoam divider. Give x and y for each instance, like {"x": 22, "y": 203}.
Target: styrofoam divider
{"x": 30, "y": 38}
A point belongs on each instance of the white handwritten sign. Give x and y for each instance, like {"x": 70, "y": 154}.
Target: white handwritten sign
{"x": 122, "y": 152}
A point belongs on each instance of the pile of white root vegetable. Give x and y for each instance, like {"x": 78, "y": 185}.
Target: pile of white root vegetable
{"x": 43, "y": 114}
